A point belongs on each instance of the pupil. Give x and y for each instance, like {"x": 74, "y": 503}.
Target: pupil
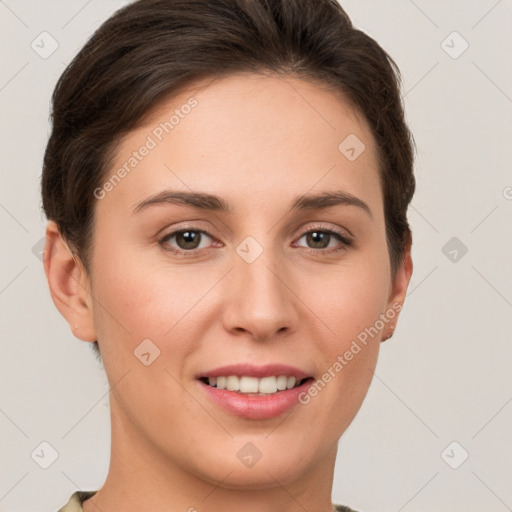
{"x": 188, "y": 237}
{"x": 317, "y": 237}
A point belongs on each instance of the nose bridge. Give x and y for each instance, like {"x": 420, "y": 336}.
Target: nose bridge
{"x": 260, "y": 302}
{"x": 260, "y": 278}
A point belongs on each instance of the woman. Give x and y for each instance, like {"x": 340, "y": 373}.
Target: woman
{"x": 226, "y": 185}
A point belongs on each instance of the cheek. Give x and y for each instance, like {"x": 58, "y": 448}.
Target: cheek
{"x": 348, "y": 351}
{"x": 350, "y": 347}
{"x": 350, "y": 305}
{"x": 349, "y": 299}
{"x": 143, "y": 299}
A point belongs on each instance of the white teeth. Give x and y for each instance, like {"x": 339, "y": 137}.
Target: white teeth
{"x": 248, "y": 385}
{"x": 233, "y": 383}
{"x": 281, "y": 381}
{"x": 244, "y": 384}
{"x": 268, "y": 385}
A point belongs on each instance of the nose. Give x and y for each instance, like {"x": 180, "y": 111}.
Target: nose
{"x": 261, "y": 302}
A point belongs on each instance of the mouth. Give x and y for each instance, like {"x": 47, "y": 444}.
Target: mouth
{"x": 254, "y": 386}
{"x": 255, "y": 392}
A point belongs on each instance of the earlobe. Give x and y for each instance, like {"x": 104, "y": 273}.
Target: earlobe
{"x": 69, "y": 284}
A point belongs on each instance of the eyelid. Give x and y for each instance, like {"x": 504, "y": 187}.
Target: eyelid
{"x": 162, "y": 238}
{"x": 320, "y": 227}
{"x": 346, "y": 240}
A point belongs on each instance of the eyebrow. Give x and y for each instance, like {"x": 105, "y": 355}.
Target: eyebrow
{"x": 210, "y": 202}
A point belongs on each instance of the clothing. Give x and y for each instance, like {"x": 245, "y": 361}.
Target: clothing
{"x": 75, "y": 503}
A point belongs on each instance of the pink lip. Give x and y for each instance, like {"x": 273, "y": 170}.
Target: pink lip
{"x": 252, "y": 406}
{"x": 255, "y": 371}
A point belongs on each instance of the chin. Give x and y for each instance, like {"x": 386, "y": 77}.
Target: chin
{"x": 277, "y": 467}
{"x": 264, "y": 477}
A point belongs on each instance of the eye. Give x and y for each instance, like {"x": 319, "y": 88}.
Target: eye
{"x": 187, "y": 240}
{"x": 190, "y": 241}
{"x": 320, "y": 239}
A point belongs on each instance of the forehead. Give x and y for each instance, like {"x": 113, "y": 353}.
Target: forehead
{"x": 262, "y": 135}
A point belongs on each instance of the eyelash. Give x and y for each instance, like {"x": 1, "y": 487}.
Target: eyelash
{"x": 346, "y": 242}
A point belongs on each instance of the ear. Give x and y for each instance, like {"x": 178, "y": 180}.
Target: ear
{"x": 69, "y": 284}
{"x": 399, "y": 290}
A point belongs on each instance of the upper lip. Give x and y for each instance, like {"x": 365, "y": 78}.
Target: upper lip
{"x": 250, "y": 370}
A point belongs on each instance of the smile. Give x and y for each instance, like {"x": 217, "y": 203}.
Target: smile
{"x": 255, "y": 392}
{"x": 252, "y": 385}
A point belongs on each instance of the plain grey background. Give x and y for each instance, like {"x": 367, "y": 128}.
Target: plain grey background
{"x": 442, "y": 389}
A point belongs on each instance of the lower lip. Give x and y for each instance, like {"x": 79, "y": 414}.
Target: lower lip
{"x": 256, "y": 407}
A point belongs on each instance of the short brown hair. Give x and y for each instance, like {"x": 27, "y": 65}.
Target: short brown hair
{"x": 152, "y": 48}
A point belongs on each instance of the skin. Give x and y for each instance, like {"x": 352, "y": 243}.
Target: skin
{"x": 172, "y": 448}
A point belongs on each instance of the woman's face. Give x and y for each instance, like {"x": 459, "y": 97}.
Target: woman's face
{"x": 264, "y": 287}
